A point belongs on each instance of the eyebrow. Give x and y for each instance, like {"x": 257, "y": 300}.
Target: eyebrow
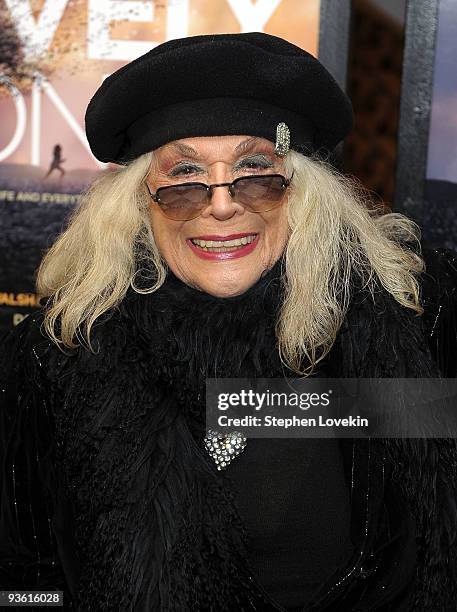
{"x": 242, "y": 147}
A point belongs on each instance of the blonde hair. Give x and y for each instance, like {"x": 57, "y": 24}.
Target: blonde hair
{"x": 337, "y": 230}
{"x": 334, "y": 231}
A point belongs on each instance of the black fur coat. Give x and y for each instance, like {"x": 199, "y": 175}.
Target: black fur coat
{"x": 108, "y": 494}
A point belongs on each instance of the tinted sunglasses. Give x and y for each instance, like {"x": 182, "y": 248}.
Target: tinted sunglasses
{"x": 257, "y": 193}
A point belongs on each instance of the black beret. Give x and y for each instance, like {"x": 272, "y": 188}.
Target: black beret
{"x": 217, "y": 85}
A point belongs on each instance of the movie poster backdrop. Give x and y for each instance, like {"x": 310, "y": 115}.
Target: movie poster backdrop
{"x": 54, "y": 55}
{"x": 440, "y": 190}
{"x": 426, "y": 184}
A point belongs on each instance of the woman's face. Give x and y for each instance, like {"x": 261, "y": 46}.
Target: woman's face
{"x": 218, "y": 159}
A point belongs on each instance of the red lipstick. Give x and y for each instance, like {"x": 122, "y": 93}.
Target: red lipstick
{"x": 221, "y": 255}
{"x": 229, "y": 237}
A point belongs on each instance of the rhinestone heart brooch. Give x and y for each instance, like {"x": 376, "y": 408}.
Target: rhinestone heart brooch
{"x": 224, "y": 448}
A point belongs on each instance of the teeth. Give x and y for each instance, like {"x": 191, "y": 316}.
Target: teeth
{"x": 224, "y": 243}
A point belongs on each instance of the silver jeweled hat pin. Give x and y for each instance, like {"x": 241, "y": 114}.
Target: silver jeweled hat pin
{"x": 282, "y": 139}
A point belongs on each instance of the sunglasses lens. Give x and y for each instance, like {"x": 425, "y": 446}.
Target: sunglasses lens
{"x": 186, "y": 201}
{"x": 259, "y": 192}
{"x": 182, "y": 201}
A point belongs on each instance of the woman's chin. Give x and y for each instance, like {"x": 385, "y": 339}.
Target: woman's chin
{"x": 223, "y": 286}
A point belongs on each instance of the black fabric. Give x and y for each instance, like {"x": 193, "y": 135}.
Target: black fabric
{"x": 216, "y": 85}
{"x": 118, "y": 503}
{"x": 294, "y": 499}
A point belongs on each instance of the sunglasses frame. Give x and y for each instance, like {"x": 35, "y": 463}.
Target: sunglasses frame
{"x": 156, "y": 196}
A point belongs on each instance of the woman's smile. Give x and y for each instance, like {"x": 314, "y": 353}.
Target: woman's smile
{"x": 218, "y": 247}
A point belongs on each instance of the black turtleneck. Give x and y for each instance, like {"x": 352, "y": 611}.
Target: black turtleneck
{"x": 294, "y": 500}
{"x": 290, "y": 493}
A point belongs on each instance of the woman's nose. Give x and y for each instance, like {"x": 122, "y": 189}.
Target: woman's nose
{"x": 221, "y": 204}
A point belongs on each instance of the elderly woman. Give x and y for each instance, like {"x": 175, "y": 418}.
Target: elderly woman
{"x": 225, "y": 246}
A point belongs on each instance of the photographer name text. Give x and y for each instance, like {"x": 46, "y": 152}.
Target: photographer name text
{"x": 294, "y": 421}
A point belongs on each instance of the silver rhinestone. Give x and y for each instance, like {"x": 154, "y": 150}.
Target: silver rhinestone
{"x": 282, "y": 139}
{"x": 224, "y": 448}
